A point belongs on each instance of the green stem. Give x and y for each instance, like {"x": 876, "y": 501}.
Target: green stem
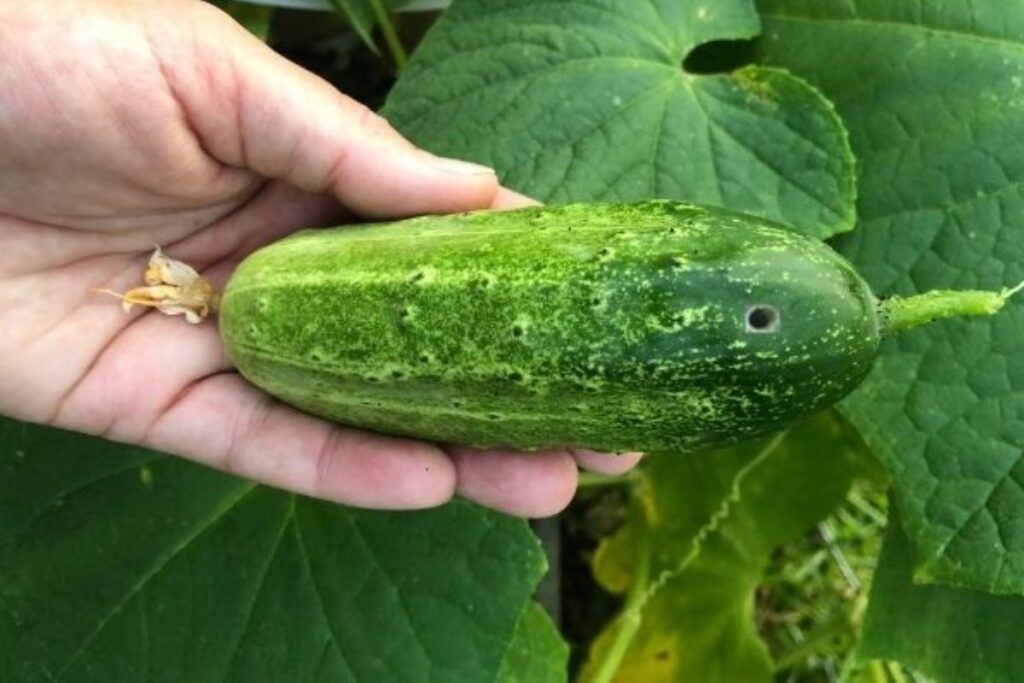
{"x": 632, "y": 612}
{"x": 387, "y": 29}
{"x": 895, "y": 672}
{"x": 878, "y": 672}
{"x": 903, "y": 313}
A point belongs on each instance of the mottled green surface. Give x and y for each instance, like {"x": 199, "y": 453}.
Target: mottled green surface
{"x": 616, "y": 326}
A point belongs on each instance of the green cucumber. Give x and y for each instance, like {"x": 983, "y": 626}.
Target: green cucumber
{"x": 652, "y": 326}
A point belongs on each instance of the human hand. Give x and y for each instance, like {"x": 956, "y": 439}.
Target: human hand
{"x": 128, "y": 123}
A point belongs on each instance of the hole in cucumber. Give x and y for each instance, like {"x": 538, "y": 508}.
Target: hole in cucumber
{"x": 762, "y": 319}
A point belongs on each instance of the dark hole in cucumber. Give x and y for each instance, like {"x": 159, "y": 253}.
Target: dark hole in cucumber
{"x": 762, "y": 319}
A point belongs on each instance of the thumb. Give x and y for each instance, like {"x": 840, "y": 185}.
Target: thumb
{"x": 252, "y": 108}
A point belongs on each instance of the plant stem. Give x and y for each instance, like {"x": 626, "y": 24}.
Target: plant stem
{"x": 878, "y": 672}
{"x": 387, "y": 29}
{"x": 632, "y": 612}
{"x": 903, "y": 313}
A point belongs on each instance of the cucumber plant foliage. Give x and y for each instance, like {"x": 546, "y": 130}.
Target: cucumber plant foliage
{"x": 115, "y": 560}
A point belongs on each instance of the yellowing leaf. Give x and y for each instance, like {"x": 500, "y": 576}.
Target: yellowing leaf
{"x": 696, "y": 545}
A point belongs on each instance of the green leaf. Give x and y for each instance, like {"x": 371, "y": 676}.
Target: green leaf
{"x": 696, "y": 547}
{"x": 956, "y": 635}
{"x": 123, "y": 564}
{"x": 931, "y": 93}
{"x": 537, "y": 653}
{"x": 588, "y": 100}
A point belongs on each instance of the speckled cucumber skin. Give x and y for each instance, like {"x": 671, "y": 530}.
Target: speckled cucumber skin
{"x": 607, "y": 326}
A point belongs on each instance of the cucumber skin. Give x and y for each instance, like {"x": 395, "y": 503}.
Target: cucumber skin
{"x": 607, "y": 326}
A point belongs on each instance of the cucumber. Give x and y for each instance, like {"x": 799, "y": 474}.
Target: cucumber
{"x": 654, "y": 326}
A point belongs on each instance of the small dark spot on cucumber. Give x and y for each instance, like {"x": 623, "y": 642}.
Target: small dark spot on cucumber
{"x": 457, "y": 404}
{"x": 422, "y": 275}
{"x": 397, "y": 374}
{"x": 315, "y": 356}
{"x": 426, "y": 357}
{"x": 518, "y": 330}
{"x": 605, "y": 254}
{"x": 515, "y": 376}
{"x": 493, "y": 416}
{"x": 762, "y": 319}
{"x": 484, "y": 281}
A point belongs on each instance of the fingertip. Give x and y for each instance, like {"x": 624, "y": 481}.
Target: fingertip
{"x": 412, "y": 182}
{"x": 505, "y": 198}
{"x": 533, "y": 485}
{"x": 606, "y": 463}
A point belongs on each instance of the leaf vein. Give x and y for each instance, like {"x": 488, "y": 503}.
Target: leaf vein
{"x": 224, "y": 508}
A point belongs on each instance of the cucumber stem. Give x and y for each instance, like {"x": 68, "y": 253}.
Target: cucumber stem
{"x": 903, "y": 313}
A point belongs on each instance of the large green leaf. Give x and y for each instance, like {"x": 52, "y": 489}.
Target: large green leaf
{"x": 697, "y": 546}
{"x": 122, "y": 564}
{"x": 588, "y": 100}
{"x": 931, "y": 93}
{"x": 956, "y": 635}
{"x": 537, "y": 653}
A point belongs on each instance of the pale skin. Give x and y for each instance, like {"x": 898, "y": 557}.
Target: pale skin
{"x": 129, "y": 123}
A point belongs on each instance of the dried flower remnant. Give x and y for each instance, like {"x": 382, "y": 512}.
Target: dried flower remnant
{"x": 173, "y": 288}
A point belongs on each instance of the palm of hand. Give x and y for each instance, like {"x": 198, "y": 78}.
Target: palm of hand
{"x": 173, "y": 142}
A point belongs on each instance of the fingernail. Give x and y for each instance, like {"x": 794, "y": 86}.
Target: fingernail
{"x": 459, "y": 167}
